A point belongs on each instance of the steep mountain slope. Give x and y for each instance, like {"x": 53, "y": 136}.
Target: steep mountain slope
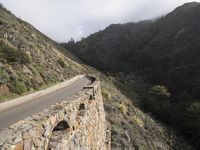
{"x": 169, "y": 45}
{"x": 29, "y": 60}
{"x": 131, "y": 129}
{"x": 164, "y": 38}
{"x": 165, "y": 54}
{"x": 112, "y": 45}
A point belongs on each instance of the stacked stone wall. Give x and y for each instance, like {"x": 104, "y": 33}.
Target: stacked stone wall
{"x": 77, "y": 123}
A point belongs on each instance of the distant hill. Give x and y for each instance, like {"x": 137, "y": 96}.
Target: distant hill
{"x": 164, "y": 51}
{"x": 169, "y": 45}
{"x": 109, "y": 49}
{"x": 120, "y": 44}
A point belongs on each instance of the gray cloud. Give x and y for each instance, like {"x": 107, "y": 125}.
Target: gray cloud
{"x": 65, "y": 19}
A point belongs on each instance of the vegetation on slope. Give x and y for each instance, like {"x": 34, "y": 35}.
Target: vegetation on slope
{"x": 164, "y": 53}
{"x": 130, "y": 127}
{"x": 28, "y": 59}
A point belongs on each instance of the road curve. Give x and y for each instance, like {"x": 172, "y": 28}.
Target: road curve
{"x": 22, "y": 111}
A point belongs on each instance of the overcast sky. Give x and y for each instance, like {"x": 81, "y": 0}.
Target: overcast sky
{"x": 65, "y": 19}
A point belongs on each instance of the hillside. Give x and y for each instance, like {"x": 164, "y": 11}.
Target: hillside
{"x": 162, "y": 54}
{"x": 30, "y": 61}
{"x": 122, "y": 44}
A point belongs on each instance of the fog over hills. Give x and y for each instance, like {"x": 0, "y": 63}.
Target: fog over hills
{"x": 65, "y": 19}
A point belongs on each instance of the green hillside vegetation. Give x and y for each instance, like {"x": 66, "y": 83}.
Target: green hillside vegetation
{"x": 164, "y": 53}
{"x": 29, "y": 60}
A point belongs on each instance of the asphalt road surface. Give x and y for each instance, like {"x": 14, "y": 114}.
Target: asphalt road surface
{"x": 22, "y": 111}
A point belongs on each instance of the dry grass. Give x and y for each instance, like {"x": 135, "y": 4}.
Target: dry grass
{"x": 138, "y": 121}
{"x": 123, "y": 108}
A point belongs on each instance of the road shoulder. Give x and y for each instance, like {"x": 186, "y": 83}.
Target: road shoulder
{"x": 32, "y": 96}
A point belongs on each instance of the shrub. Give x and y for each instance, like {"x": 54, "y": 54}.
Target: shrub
{"x": 192, "y": 125}
{"x": 18, "y": 87}
{"x": 138, "y": 121}
{"x": 106, "y": 95}
{"x": 159, "y": 91}
{"x": 34, "y": 71}
{"x": 123, "y": 108}
{"x": 39, "y": 69}
{"x": 35, "y": 84}
{"x": 62, "y": 63}
{"x": 157, "y": 101}
{"x": 4, "y": 76}
{"x": 12, "y": 55}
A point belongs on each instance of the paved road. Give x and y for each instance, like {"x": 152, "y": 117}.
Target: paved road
{"x": 20, "y": 112}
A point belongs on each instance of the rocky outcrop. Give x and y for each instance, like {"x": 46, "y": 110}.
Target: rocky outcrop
{"x": 4, "y": 90}
{"x": 75, "y": 123}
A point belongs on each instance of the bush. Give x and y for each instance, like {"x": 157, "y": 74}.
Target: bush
{"x": 137, "y": 120}
{"x": 192, "y": 125}
{"x": 18, "y": 87}
{"x": 159, "y": 91}
{"x": 4, "y": 76}
{"x": 157, "y": 101}
{"x": 62, "y": 63}
{"x": 12, "y": 55}
{"x": 106, "y": 95}
{"x": 35, "y": 84}
{"x": 123, "y": 108}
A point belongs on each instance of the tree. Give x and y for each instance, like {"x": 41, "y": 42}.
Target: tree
{"x": 157, "y": 101}
{"x": 159, "y": 91}
{"x": 71, "y": 41}
{"x": 192, "y": 124}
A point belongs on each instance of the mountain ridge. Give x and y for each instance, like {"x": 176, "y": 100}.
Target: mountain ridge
{"x": 164, "y": 54}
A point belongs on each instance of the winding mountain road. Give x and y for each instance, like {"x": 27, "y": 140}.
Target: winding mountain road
{"x": 36, "y": 104}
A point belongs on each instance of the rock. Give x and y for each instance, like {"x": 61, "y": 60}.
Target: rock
{"x": 4, "y": 90}
{"x": 18, "y": 146}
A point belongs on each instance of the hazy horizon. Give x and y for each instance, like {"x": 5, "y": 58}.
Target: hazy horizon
{"x": 65, "y": 19}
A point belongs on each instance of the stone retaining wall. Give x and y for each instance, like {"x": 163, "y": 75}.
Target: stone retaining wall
{"x": 77, "y": 123}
